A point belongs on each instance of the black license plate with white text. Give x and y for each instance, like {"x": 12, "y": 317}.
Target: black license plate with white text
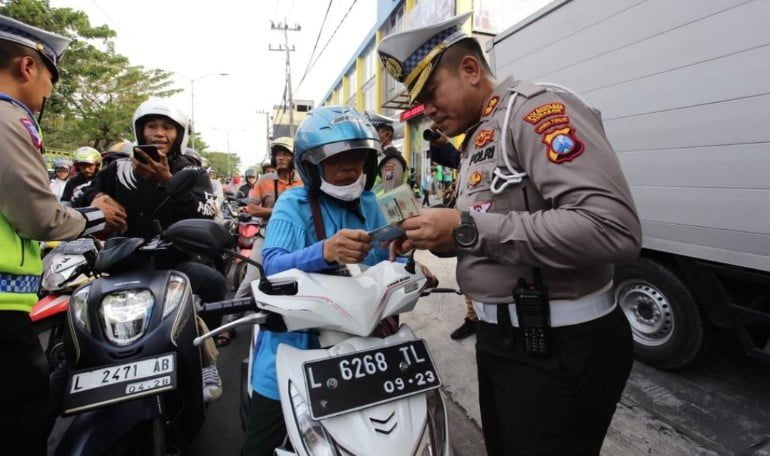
{"x": 363, "y": 379}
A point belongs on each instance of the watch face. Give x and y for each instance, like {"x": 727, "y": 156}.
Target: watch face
{"x": 465, "y": 235}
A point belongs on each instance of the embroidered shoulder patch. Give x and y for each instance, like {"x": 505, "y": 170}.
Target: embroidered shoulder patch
{"x": 31, "y": 128}
{"x": 484, "y": 137}
{"x": 552, "y": 122}
{"x": 543, "y": 111}
{"x": 491, "y": 105}
{"x": 562, "y": 145}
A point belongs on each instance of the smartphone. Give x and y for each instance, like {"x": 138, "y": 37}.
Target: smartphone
{"x": 150, "y": 150}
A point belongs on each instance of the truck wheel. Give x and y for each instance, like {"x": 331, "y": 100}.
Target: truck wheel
{"x": 666, "y": 323}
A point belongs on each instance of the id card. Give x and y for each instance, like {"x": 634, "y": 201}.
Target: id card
{"x": 385, "y": 234}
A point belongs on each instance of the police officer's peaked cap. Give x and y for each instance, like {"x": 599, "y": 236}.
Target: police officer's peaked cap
{"x": 378, "y": 120}
{"x": 50, "y": 45}
{"x": 410, "y": 56}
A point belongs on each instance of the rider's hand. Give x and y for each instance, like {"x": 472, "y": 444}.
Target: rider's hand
{"x": 156, "y": 171}
{"x": 432, "y": 280}
{"x": 400, "y": 247}
{"x": 347, "y": 247}
{"x": 114, "y": 213}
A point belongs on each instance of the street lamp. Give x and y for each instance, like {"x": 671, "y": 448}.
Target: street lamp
{"x": 192, "y": 98}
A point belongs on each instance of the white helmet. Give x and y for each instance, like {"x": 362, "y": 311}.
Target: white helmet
{"x": 156, "y": 107}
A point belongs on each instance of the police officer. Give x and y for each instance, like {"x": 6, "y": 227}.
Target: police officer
{"x": 391, "y": 169}
{"x": 543, "y": 210}
{"x": 29, "y": 213}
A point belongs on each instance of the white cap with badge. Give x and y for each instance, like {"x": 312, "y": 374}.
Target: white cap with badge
{"x": 410, "y": 56}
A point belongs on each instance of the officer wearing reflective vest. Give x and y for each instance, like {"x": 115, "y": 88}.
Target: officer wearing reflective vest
{"x": 29, "y": 213}
{"x": 391, "y": 168}
{"x": 543, "y": 211}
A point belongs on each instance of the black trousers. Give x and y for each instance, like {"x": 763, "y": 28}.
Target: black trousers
{"x": 558, "y": 404}
{"x": 207, "y": 283}
{"x": 265, "y": 429}
{"x": 23, "y": 387}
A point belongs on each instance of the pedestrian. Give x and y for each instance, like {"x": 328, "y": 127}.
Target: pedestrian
{"x": 427, "y": 183}
{"x": 29, "y": 213}
{"x": 61, "y": 169}
{"x": 543, "y": 211}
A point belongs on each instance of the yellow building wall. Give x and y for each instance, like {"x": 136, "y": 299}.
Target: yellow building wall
{"x": 359, "y": 88}
{"x": 345, "y": 89}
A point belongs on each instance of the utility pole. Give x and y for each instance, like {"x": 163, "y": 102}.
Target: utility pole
{"x": 288, "y": 49}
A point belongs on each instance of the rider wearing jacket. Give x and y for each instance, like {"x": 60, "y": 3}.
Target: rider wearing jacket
{"x": 61, "y": 168}
{"x": 139, "y": 185}
{"x": 338, "y": 181}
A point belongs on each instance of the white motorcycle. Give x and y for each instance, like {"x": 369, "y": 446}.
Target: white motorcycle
{"x": 358, "y": 395}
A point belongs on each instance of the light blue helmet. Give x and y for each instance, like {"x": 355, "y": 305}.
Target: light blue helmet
{"x": 330, "y": 130}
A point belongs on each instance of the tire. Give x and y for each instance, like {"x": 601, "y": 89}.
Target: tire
{"x": 666, "y": 323}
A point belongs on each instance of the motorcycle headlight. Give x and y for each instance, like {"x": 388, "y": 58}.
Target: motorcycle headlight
{"x": 313, "y": 435}
{"x": 175, "y": 289}
{"x": 126, "y": 314}
{"x": 79, "y": 307}
{"x": 433, "y": 437}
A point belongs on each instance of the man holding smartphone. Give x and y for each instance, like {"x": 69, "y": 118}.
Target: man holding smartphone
{"x": 161, "y": 131}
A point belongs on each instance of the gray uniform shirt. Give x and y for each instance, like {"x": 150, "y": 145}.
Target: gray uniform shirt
{"x": 26, "y": 200}
{"x": 582, "y": 217}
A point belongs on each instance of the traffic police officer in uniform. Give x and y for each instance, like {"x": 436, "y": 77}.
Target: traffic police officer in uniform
{"x": 29, "y": 213}
{"x": 543, "y": 210}
{"x": 392, "y": 166}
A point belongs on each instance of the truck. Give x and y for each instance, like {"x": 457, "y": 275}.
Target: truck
{"x": 684, "y": 91}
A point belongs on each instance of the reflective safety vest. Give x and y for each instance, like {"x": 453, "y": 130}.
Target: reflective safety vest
{"x": 20, "y": 269}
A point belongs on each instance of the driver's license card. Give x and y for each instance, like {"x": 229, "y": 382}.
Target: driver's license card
{"x": 386, "y": 233}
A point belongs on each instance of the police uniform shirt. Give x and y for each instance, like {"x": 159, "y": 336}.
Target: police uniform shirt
{"x": 26, "y": 200}
{"x": 582, "y": 215}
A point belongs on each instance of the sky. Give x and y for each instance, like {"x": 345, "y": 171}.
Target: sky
{"x": 194, "y": 38}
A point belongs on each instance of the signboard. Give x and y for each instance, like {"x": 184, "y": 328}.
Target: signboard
{"x": 412, "y": 112}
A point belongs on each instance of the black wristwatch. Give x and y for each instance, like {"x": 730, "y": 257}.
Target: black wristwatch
{"x": 466, "y": 234}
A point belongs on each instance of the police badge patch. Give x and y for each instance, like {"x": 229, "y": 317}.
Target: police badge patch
{"x": 491, "y": 105}
{"x": 562, "y": 145}
{"x": 482, "y": 206}
{"x": 31, "y": 128}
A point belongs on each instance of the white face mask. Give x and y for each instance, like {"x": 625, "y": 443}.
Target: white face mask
{"x": 345, "y": 192}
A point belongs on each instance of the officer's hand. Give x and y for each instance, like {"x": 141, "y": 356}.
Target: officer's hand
{"x": 442, "y": 138}
{"x": 114, "y": 213}
{"x": 432, "y": 229}
{"x": 156, "y": 171}
{"x": 347, "y": 246}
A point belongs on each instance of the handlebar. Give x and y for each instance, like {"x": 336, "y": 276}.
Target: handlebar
{"x": 229, "y": 306}
{"x": 429, "y": 291}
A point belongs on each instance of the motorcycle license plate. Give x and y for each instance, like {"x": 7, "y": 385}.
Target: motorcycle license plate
{"x": 89, "y": 389}
{"x": 363, "y": 379}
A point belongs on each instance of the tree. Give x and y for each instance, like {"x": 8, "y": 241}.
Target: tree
{"x": 224, "y": 163}
{"x": 99, "y": 89}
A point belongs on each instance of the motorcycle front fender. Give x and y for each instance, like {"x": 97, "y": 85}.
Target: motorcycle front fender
{"x": 94, "y": 432}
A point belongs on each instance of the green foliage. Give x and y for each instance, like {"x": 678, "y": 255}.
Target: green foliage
{"x": 99, "y": 89}
{"x": 224, "y": 163}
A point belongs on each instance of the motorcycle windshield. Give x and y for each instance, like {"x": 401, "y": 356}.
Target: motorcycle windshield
{"x": 352, "y": 304}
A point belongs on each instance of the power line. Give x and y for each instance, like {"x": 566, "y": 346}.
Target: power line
{"x": 332, "y": 36}
{"x": 315, "y": 46}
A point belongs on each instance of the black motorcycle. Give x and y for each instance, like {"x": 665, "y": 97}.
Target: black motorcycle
{"x": 135, "y": 381}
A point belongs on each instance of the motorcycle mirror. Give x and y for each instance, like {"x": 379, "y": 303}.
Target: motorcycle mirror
{"x": 185, "y": 180}
{"x": 200, "y": 236}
